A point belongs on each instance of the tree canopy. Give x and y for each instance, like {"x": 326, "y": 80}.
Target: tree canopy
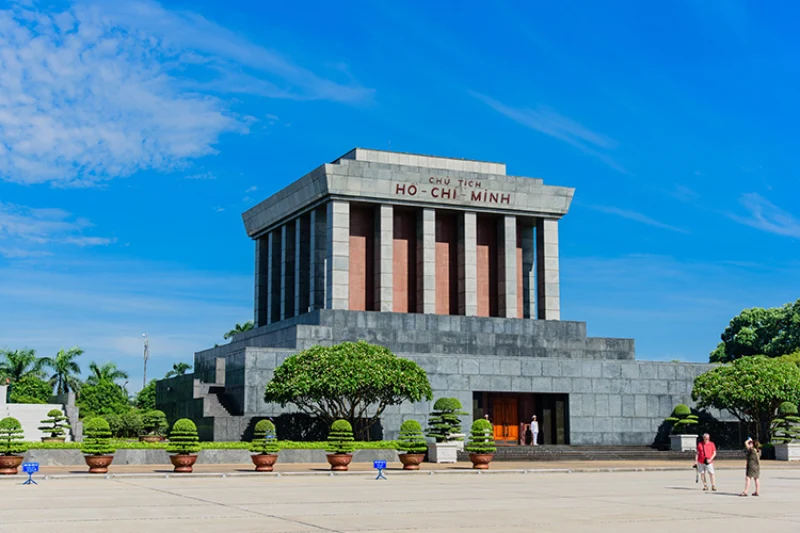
{"x": 104, "y": 398}
{"x": 146, "y": 398}
{"x": 66, "y": 371}
{"x": 239, "y": 328}
{"x": 751, "y": 389}
{"x": 178, "y": 369}
{"x": 105, "y": 372}
{"x": 351, "y": 381}
{"x": 30, "y": 389}
{"x": 17, "y": 364}
{"x": 772, "y": 332}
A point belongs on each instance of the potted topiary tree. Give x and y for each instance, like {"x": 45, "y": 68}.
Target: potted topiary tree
{"x": 340, "y": 445}
{"x": 183, "y": 445}
{"x": 264, "y": 446}
{"x": 154, "y": 424}
{"x": 444, "y": 426}
{"x": 786, "y": 433}
{"x": 412, "y": 442}
{"x": 11, "y": 448}
{"x": 96, "y": 446}
{"x": 481, "y": 445}
{"x": 55, "y": 425}
{"x": 682, "y": 421}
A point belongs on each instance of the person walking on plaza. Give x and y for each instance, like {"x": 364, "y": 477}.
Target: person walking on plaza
{"x": 704, "y": 460}
{"x": 753, "y": 469}
{"x": 534, "y": 431}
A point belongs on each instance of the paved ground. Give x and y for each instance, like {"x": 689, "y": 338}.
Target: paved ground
{"x": 497, "y": 465}
{"x": 620, "y": 502}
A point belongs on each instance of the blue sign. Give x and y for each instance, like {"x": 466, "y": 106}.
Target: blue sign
{"x": 380, "y": 465}
{"x": 30, "y": 468}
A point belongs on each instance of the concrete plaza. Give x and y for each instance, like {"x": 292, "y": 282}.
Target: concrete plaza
{"x": 650, "y": 502}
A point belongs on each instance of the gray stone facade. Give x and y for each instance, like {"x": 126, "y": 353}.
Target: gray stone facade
{"x": 613, "y": 399}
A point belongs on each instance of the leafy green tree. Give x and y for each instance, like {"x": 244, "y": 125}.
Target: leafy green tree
{"x": 772, "y": 332}
{"x": 66, "y": 370}
{"x": 751, "y": 389}
{"x": 682, "y": 419}
{"x": 481, "y": 437}
{"x": 105, "y": 372}
{"x": 353, "y": 381}
{"x": 17, "y": 364}
{"x": 179, "y": 369}
{"x": 146, "y": 398}
{"x": 30, "y": 389}
{"x": 55, "y": 424}
{"x": 104, "y": 398}
{"x": 265, "y": 441}
{"x": 240, "y": 328}
{"x": 125, "y": 424}
{"x": 97, "y": 437}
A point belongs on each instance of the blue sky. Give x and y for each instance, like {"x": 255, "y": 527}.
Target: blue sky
{"x": 132, "y": 136}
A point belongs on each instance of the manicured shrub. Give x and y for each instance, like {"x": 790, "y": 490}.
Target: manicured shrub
{"x": 340, "y": 438}
{"x": 481, "y": 437}
{"x": 55, "y": 424}
{"x": 444, "y": 420}
{"x": 154, "y": 422}
{"x": 183, "y": 438}
{"x": 11, "y": 436}
{"x": 265, "y": 440}
{"x": 682, "y": 419}
{"x": 411, "y": 438}
{"x": 96, "y": 437}
{"x": 787, "y": 426}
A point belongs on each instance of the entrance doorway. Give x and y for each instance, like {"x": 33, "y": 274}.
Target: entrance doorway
{"x": 510, "y": 412}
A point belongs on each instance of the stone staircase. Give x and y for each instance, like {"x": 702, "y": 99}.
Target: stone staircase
{"x": 594, "y": 453}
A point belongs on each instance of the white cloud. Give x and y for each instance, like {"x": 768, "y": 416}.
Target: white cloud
{"x": 202, "y": 176}
{"x": 251, "y": 189}
{"x": 638, "y": 217}
{"x": 551, "y": 123}
{"x": 108, "y": 89}
{"x": 24, "y": 230}
{"x": 766, "y": 216}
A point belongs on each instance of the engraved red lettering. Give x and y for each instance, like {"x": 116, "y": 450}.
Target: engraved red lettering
{"x": 435, "y": 192}
{"x": 493, "y": 197}
{"x": 505, "y": 198}
{"x": 476, "y": 196}
{"x": 399, "y": 189}
{"x": 412, "y": 190}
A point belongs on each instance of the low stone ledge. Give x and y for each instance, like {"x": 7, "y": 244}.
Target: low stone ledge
{"x": 208, "y": 457}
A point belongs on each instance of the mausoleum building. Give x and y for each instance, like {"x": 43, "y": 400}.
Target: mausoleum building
{"x": 451, "y": 263}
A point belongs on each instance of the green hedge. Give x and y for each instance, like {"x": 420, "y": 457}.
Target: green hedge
{"x": 136, "y": 445}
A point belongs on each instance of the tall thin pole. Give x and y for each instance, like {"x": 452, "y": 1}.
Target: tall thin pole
{"x": 146, "y": 356}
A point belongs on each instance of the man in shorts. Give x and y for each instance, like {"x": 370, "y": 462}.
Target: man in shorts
{"x": 704, "y": 460}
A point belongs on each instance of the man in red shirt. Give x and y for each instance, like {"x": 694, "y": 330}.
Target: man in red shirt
{"x": 704, "y": 460}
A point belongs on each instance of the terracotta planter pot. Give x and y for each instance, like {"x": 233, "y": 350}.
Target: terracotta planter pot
{"x": 339, "y": 461}
{"x": 264, "y": 461}
{"x": 411, "y": 461}
{"x": 9, "y": 464}
{"x": 183, "y": 463}
{"x": 98, "y": 464}
{"x": 54, "y": 439}
{"x": 149, "y": 438}
{"x": 480, "y": 461}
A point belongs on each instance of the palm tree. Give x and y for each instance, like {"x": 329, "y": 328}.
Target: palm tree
{"x": 65, "y": 378}
{"x": 239, "y": 329}
{"x": 17, "y": 364}
{"x": 105, "y": 372}
{"x": 178, "y": 369}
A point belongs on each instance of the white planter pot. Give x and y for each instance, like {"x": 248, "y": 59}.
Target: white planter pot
{"x": 787, "y": 452}
{"x": 460, "y": 440}
{"x": 683, "y": 443}
{"x": 443, "y": 452}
